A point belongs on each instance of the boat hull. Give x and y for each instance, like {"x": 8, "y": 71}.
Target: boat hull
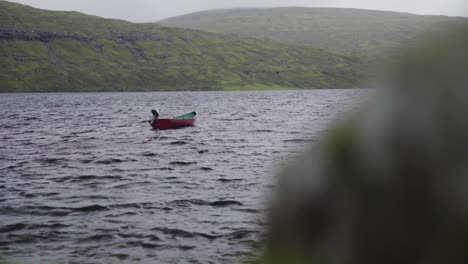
{"x": 163, "y": 124}
{"x": 186, "y": 120}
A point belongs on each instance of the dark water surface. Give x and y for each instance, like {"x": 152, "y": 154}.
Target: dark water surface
{"x": 84, "y": 180}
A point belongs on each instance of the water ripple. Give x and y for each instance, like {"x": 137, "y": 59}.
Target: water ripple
{"x": 97, "y": 185}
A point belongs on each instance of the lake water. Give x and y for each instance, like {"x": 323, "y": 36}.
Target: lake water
{"x": 83, "y": 178}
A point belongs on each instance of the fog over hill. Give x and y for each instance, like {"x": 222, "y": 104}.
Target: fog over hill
{"x": 154, "y": 10}
{"x": 352, "y": 31}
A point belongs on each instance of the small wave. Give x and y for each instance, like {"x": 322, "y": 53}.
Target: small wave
{"x": 296, "y": 140}
{"x": 220, "y": 203}
{"x": 185, "y": 203}
{"x": 120, "y": 215}
{"x": 166, "y": 169}
{"x": 174, "y": 233}
{"x": 232, "y": 119}
{"x": 12, "y": 116}
{"x": 11, "y": 167}
{"x": 84, "y": 178}
{"x": 30, "y": 210}
{"x": 47, "y": 226}
{"x": 97, "y": 238}
{"x": 139, "y": 236}
{"x": 95, "y": 177}
{"x": 202, "y": 151}
{"x": 247, "y": 210}
{"x": 83, "y": 132}
{"x": 182, "y": 163}
{"x": 58, "y": 211}
{"x": 109, "y": 161}
{"x": 130, "y": 184}
{"x": 28, "y": 239}
{"x": 207, "y": 235}
{"x": 27, "y": 132}
{"x": 52, "y": 160}
{"x": 144, "y": 205}
{"x": 184, "y": 247}
{"x": 144, "y": 244}
{"x": 263, "y": 131}
{"x": 27, "y": 195}
{"x": 239, "y": 235}
{"x": 206, "y": 168}
{"x": 32, "y": 195}
{"x": 162, "y": 138}
{"x": 224, "y": 203}
{"x": 49, "y": 194}
{"x": 90, "y": 208}
{"x": 149, "y": 154}
{"x": 88, "y": 197}
{"x": 24, "y": 226}
{"x": 179, "y": 143}
{"x": 12, "y": 227}
{"x": 121, "y": 256}
{"x": 185, "y": 183}
{"x": 151, "y": 245}
{"x": 35, "y": 211}
{"x": 228, "y": 180}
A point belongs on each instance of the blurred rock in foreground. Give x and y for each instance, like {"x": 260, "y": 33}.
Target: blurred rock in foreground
{"x": 389, "y": 185}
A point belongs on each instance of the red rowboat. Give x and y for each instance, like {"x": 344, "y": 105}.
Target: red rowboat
{"x": 185, "y": 120}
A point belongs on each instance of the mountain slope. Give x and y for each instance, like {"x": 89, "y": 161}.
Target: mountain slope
{"x": 352, "y": 31}
{"x": 68, "y": 51}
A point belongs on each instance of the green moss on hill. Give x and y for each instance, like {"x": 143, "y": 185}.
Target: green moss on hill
{"x": 68, "y": 51}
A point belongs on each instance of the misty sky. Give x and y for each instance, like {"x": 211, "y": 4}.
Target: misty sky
{"x": 155, "y": 10}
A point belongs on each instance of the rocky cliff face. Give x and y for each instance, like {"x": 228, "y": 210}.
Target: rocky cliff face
{"x": 40, "y": 36}
{"x": 389, "y": 185}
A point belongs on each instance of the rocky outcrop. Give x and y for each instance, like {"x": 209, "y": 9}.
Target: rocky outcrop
{"x": 40, "y": 36}
{"x": 47, "y": 36}
{"x": 134, "y": 36}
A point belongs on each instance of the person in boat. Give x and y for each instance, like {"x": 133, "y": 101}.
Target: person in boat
{"x": 155, "y": 116}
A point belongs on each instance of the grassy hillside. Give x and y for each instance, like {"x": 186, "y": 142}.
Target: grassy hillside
{"x": 68, "y": 51}
{"x": 353, "y": 31}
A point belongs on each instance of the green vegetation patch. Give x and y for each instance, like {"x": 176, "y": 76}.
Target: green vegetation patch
{"x": 68, "y": 51}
